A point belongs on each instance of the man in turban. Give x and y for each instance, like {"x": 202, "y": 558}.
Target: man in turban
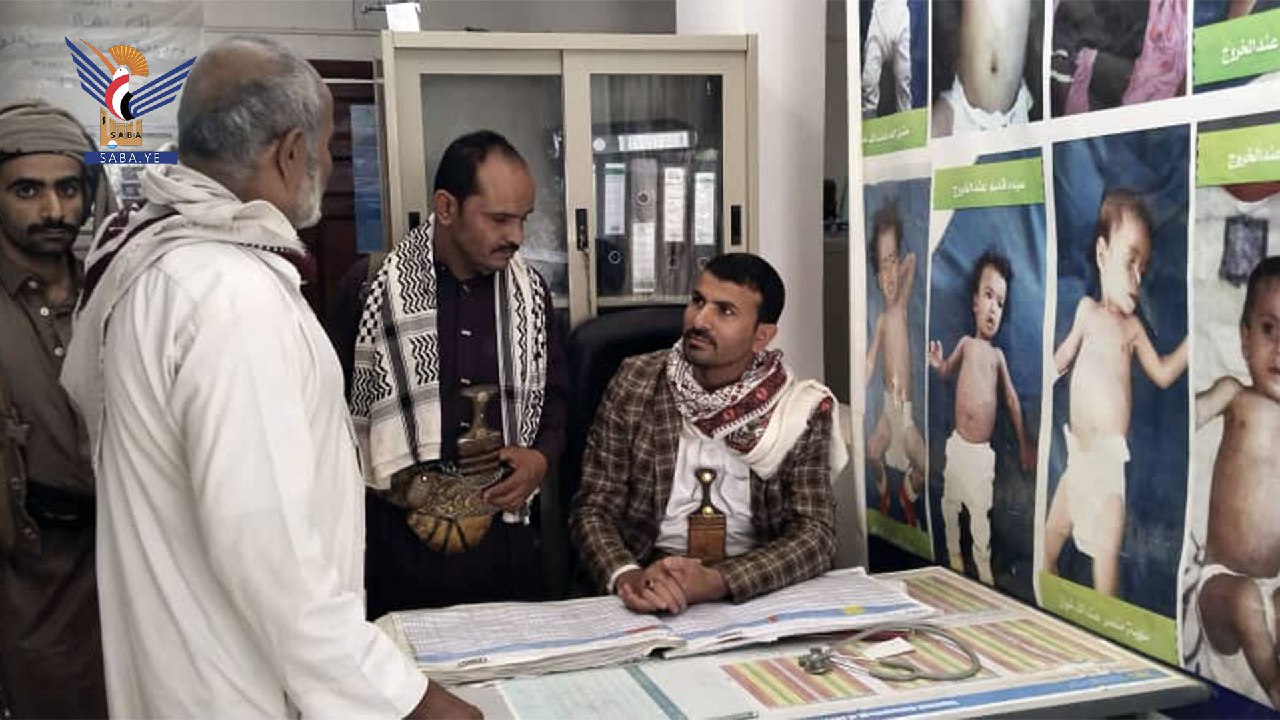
{"x": 50, "y": 640}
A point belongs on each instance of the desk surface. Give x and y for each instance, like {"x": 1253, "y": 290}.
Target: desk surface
{"x": 1032, "y": 664}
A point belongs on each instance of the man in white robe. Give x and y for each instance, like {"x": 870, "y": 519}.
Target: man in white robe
{"x": 230, "y": 525}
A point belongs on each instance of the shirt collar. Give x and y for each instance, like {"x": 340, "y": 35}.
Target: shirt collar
{"x": 14, "y": 278}
{"x": 476, "y": 282}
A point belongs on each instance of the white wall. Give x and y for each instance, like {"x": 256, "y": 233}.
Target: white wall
{"x": 286, "y": 14}
{"x": 317, "y": 29}
{"x": 791, "y": 56}
{"x": 835, "y": 280}
{"x": 611, "y": 16}
{"x": 836, "y": 129}
{"x": 344, "y": 30}
{"x": 792, "y": 67}
{"x": 636, "y": 16}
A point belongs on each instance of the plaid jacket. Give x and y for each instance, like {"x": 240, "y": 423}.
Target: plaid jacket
{"x": 626, "y": 482}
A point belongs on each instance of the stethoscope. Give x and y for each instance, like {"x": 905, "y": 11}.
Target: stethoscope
{"x": 822, "y": 659}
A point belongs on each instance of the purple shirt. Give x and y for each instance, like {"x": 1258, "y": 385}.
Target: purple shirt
{"x": 467, "y": 328}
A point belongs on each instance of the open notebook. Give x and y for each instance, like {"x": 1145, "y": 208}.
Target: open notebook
{"x": 471, "y": 643}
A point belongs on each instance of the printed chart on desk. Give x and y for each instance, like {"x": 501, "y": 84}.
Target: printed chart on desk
{"x": 1024, "y": 655}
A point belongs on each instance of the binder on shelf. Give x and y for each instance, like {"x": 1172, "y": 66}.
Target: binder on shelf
{"x": 612, "y": 247}
{"x": 658, "y": 210}
{"x": 674, "y": 262}
{"x": 612, "y": 266}
{"x": 643, "y": 225}
{"x": 706, "y": 209}
{"x": 613, "y": 219}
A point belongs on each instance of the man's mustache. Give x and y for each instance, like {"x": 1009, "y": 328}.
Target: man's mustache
{"x": 702, "y": 335}
{"x": 56, "y": 226}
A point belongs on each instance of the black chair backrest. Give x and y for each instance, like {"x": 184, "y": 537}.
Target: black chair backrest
{"x": 595, "y": 350}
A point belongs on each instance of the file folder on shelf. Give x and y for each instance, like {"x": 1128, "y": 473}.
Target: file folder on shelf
{"x": 705, "y": 216}
{"x": 612, "y": 247}
{"x": 644, "y": 225}
{"x": 657, "y": 209}
{"x": 673, "y": 252}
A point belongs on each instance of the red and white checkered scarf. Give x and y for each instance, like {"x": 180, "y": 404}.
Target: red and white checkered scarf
{"x": 737, "y": 413}
{"x": 761, "y": 416}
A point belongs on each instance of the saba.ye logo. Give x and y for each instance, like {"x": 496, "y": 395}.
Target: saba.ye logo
{"x": 120, "y": 117}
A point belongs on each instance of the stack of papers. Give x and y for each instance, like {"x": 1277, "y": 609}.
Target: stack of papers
{"x": 473, "y": 643}
{"x": 842, "y": 600}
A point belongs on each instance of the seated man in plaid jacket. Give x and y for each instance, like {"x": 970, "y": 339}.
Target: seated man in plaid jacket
{"x": 717, "y": 400}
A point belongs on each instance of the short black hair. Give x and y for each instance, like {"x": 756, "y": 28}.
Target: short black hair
{"x": 995, "y": 260}
{"x": 754, "y": 272}
{"x": 886, "y": 218}
{"x": 1268, "y": 269}
{"x": 456, "y": 173}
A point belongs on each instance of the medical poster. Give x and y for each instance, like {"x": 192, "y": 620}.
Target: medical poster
{"x": 986, "y": 315}
{"x": 1116, "y": 481}
{"x": 1136, "y": 497}
{"x": 1107, "y": 53}
{"x": 1236, "y": 42}
{"x": 986, "y": 65}
{"x": 1231, "y": 559}
{"x": 897, "y": 232}
{"x": 894, "y": 40}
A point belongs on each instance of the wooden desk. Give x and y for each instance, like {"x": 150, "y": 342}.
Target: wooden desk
{"x": 1033, "y": 664}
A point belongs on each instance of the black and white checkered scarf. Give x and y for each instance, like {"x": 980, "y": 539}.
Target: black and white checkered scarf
{"x": 395, "y": 383}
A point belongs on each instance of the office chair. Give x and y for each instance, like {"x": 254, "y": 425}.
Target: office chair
{"x": 595, "y": 351}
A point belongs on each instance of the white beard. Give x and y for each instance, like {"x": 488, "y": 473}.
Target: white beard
{"x": 308, "y": 202}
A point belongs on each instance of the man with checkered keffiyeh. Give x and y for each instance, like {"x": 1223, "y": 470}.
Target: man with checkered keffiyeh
{"x": 454, "y": 305}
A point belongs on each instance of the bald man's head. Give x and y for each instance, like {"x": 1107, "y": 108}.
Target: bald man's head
{"x": 243, "y": 94}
